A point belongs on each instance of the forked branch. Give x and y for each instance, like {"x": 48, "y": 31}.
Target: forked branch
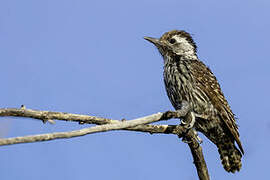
{"x": 104, "y": 124}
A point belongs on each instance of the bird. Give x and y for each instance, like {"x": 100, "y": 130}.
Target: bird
{"x": 188, "y": 79}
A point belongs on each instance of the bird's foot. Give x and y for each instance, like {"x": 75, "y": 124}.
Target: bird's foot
{"x": 185, "y": 140}
{"x": 189, "y": 121}
{"x": 197, "y": 137}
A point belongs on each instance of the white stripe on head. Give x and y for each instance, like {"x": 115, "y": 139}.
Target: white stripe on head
{"x": 183, "y": 47}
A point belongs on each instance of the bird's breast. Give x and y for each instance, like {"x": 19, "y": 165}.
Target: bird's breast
{"x": 180, "y": 85}
{"x": 177, "y": 83}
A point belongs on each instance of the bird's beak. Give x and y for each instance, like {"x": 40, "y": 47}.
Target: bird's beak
{"x": 155, "y": 41}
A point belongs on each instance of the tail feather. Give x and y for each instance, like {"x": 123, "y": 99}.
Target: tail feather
{"x": 230, "y": 156}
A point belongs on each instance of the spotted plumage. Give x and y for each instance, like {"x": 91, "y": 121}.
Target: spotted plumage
{"x": 187, "y": 78}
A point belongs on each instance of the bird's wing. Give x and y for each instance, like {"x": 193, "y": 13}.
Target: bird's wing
{"x": 206, "y": 81}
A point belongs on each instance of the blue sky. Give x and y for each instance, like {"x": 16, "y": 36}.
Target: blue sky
{"x": 89, "y": 57}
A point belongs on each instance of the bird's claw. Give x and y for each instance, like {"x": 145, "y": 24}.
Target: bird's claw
{"x": 189, "y": 121}
{"x": 197, "y": 138}
{"x": 184, "y": 140}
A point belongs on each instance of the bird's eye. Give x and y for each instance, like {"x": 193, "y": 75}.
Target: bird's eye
{"x": 172, "y": 41}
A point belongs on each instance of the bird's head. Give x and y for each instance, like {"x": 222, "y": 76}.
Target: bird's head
{"x": 175, "y": 42}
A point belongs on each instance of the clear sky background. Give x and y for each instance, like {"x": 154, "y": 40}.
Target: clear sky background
{"x": 89, "y": 57}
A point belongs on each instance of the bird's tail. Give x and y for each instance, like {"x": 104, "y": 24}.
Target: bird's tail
{"x": 230, "y": 156}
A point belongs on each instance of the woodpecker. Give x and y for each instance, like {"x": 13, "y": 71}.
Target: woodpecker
{"x": 188, "y": 79}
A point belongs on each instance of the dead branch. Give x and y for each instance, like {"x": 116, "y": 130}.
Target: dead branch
{"x": 104, "y": 124}
{"x": 82, "y": 132}
{"x": 196, "y": 151}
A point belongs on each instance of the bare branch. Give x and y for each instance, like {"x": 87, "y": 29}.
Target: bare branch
{"x": 82, "y": 119}
{"x": 82, "y": 132}
{"x": 46, "y": 115}
{"x": 104, "y": 124}
{"x": 107, "y": 124}
{"x": 196, "y": 151}
{"x": 86, "y": 119}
